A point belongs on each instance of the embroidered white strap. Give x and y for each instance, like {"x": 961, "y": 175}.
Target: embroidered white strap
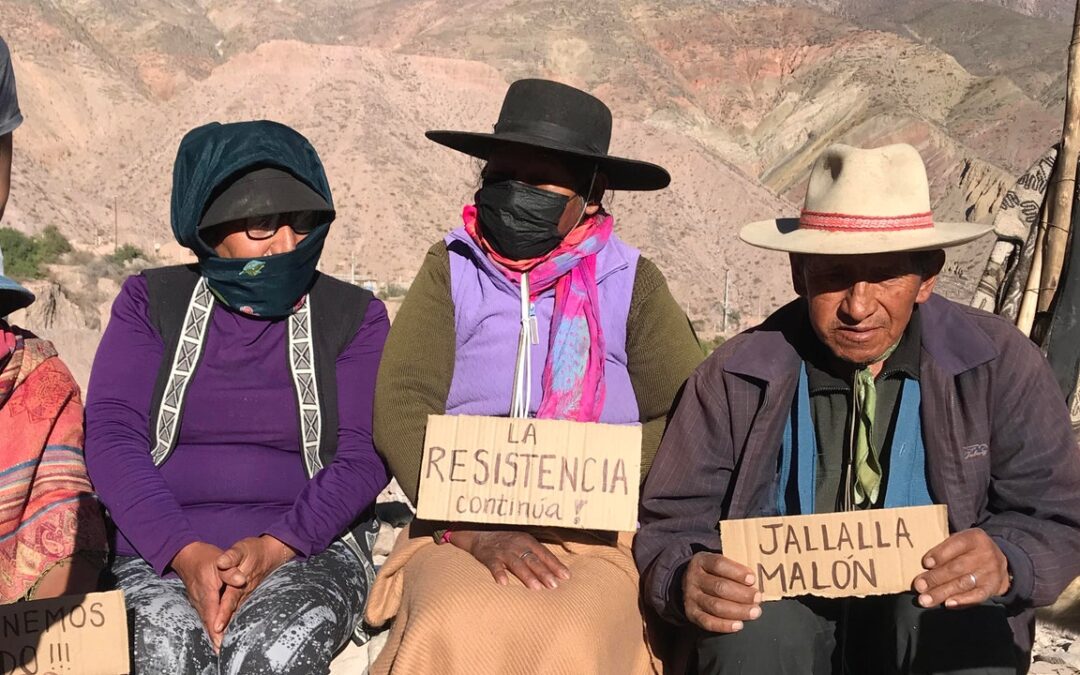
{"x": 188, "y": 350}
{"x": 302, "y": 366}
{"x": 305, "y": 381}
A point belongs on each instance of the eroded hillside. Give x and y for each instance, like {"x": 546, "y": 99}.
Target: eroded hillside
{"x": 736, "y": 98}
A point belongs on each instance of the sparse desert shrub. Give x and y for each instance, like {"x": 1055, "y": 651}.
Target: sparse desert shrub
{"x": 125, "y": 254}
{"x": 25, "y": 256}
{"x": 392, "y": 290}
{"x": 52, "y": 244}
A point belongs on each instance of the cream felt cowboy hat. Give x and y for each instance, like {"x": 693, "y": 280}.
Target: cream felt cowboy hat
{"x": 863, "y": 201}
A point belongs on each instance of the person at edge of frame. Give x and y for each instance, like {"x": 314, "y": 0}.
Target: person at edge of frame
{"x": 867, "y": 391}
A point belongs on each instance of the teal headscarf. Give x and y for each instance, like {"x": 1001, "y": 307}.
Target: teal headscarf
{"x": 211, "y": 157}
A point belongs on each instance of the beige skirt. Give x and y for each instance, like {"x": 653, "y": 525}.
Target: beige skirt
{"x": 450, "y": 616}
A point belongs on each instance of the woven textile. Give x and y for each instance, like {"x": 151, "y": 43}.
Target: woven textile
{"x": 48, "y": 511}
{"x": 446, "y": 607}
{"x": 1001, "y": 286}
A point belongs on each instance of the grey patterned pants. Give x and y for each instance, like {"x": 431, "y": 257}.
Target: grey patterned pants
{"x": 294, "y": 622}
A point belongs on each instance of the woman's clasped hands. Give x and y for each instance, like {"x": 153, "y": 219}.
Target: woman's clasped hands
{"x": 218, "y": 582}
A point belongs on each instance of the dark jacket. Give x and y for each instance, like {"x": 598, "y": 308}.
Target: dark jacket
{"x": 1000, "y": 452}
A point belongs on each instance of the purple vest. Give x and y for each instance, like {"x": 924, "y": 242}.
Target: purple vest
{"x": 487, "y": 319}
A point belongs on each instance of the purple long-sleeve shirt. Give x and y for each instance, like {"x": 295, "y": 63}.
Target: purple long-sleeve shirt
{"x": 237, "y": 469}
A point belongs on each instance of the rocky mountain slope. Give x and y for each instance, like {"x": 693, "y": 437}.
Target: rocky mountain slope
{"x": 735, "y": 97}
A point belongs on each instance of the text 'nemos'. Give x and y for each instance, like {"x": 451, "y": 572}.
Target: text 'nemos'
{"x": 530, "y": 472}
{"x": 854, "y": 554}
{"x": 85, "y": 634}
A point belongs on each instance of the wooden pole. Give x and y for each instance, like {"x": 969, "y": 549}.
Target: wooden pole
{"x": 1029, "y": 301}
{"x": 1060, "y": 195}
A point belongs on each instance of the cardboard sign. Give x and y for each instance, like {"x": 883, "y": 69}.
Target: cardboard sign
{"x": 530, "y": 472}
{"x": 75, "y": 634}
{"x": 836, "y": 555}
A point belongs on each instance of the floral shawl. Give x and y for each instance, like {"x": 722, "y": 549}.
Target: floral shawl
{"x": 48, "y": 511}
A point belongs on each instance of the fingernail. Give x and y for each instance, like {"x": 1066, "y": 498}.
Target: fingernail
{"x": 951, "y": 603}
{"x": 755, "y": 612}
{"x": 920, "y": 585}
{"x": 925, "y": 600}
{"x": 758, "y": 598}
{"x": 552, "y": 584}
{"x": 565, "y": 574}
{"x": 737, "y": 625}
{"x": 749, "y": 581}
{"x": 930, "y": 563}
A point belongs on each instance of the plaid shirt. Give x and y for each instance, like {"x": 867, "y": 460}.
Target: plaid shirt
{"x": 1000, "y": 451}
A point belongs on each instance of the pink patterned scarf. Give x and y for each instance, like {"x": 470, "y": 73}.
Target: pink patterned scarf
{"x": 573, "y": 379}
{"x": 48, "y": 511}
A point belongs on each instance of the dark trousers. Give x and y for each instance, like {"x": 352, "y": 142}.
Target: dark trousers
{"x": 885, "y": 634}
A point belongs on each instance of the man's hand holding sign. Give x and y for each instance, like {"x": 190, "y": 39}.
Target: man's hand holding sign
{"x": 719, "y": 593}
{"x": 964, "y": 570}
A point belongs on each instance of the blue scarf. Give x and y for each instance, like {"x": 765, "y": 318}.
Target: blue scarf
{"x": 266, "y": 287}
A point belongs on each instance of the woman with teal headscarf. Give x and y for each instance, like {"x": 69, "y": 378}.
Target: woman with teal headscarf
{"x": 229, "y": 420}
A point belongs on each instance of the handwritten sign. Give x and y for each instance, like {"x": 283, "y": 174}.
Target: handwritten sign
{"x": 77, "y": 634}
{"x": 530, "y": 472}
{"x": 836, "y": 555}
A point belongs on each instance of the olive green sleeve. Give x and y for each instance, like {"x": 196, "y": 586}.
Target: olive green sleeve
{"x": 416, "y": 370}
{"x": 661, "y": 352}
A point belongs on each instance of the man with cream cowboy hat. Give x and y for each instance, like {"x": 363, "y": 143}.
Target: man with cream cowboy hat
{"x": 865, "y": 360}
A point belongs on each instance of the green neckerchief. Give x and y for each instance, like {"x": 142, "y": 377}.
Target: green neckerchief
{"x": 867, "y": 464}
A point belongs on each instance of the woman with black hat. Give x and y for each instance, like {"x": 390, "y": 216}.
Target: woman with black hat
{"x": 229, "y": 420}
{"x": 536, "y": 281}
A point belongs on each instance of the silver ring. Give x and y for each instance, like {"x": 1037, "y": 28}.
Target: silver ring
{"x": 974, "y": 581}
{"x": 526, "y": 554}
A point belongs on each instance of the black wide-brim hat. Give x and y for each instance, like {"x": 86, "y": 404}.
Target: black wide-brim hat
{"x": 554, "y": 116}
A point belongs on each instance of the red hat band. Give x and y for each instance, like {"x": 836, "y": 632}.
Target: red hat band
{"x": 841, "y": 222}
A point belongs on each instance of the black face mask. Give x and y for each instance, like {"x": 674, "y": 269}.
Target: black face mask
{"x": 518, "y": 220}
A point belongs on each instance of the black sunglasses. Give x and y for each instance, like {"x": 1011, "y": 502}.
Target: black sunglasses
{"x": 264, "y": 227}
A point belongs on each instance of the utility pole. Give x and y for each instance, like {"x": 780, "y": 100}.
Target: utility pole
{"x": 727, "y": 290}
